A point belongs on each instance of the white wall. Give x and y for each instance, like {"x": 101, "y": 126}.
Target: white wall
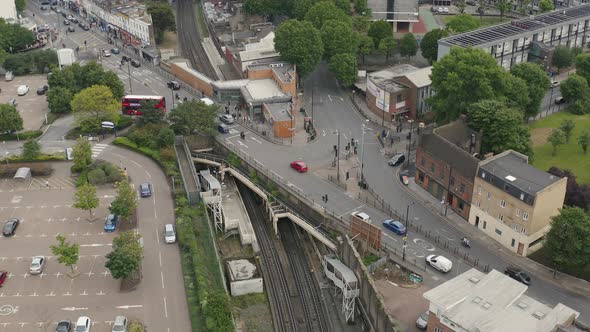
{"x": 244, "y": 287}
{"x": 8, "y": 9}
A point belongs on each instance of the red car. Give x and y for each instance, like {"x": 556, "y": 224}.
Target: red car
{"x": 3, "y": 277}
{"x": 299, "y": 166}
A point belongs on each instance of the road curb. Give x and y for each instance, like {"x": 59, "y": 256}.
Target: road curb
{"x": 583, "y": 290}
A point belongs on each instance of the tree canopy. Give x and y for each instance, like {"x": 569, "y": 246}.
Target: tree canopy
{"x": 575, "y": 194}
{"x": 337, "y": 38}
{"x": 13, "y": 37}
{"x": 583, "y": 66}
{"x": 546, "y": 6}
{"x": 574, "y": 88}
{"x": 537, "y": 83}
{"x": 76, "y": 78}
{"x": 408, "y": 46}
{"x": 365, "y": 46}
{"x": 344, "y": 67}
{"x": 10, "y": 119}
{"x": 67, "y": 254}
{"x": 125, "y": 259}
{"x": 562, "y": 57}
{"x": 81, "y": 155}
{"x": 568, "y": 239}
{"x": 379, "y": 30}
{"x": 503, "y": 6}
{"x": 59, "y": 99}
{"x": 301, "y": 44}
{"x": 462, "y": 23}
{"x": 429, "y": 44}
{"x": 93, "y": 105}
{"x": 193, "y": 116}
{"x": 162, "y": 19}
{"x": 300, "y": 8}
{"x": 85, "y": 198}
{"x": 324, "y": 11}
{"x": 387, "y": 46}
{"x": 125, "y": 201}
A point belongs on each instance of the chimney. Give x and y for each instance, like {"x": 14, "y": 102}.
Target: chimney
{"x": 472, "y": 144}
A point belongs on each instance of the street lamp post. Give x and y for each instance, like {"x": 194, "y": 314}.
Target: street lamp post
{"x": 312, "y": 117}
{"x": 131, "y": 87}
{"x": 363, "y": 152}
{"x": 410, "y": 142}
{"x": 338, "y": 157}
{"x": 406, "y": 236}
{"x": 172, "y": 95}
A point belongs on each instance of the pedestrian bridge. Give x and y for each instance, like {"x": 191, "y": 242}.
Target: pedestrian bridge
{"x": 275, "y": 209}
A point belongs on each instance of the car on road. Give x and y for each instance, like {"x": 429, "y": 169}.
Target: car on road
{"x": 226, "y": 118}
{"x": 10, "y": 227}
{"x": 135, "y": 64}
{"x": 12, "y": 102}
{"x": 145, "y": 189}
{"x": 396, "y": 160}
{"x": 110, "y": 223}
{"x": 66, "y": 22}
{"x": 73, "y": 20}
{"x": 446, "y": 10}
{"x": 42, "y": 89}
{"x": 71, "y": 29}
{"x": 63, "y": 326}
{"x": 174, "y": 85}
{"x": 422, "y": 321}
{"x": 395, "y": 226}
{"x": 83, "y": 324}
{"x": 69, "y": 17}
{"x": 115, "y": 50}
{"x": 554, "y": 84}
{"x": 223, "y": 128}
{"x": 85, "y": 27}
{"x": 472, "y": 3}
{"x": 106, "y": 53}
{"x": 120, "y": 324}
{"x": 440, "y": 263}
{"x": 169, "y": 233}
{"x": 299, "y": 166}
{"x": 560, "y": 100}
{"x": 37, "y": 265}
{"x": 518, "y": 275}
{"x": 22, "y": 90}
{"x": 125, "y": 58}
{"x": 64, "y": 14}
{"x": 3, "y": 277}
{"x": 362, "y": 216}
{"x": 43, "y": 7}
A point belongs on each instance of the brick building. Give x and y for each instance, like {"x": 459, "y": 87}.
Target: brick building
{"x": 446, "y": 165}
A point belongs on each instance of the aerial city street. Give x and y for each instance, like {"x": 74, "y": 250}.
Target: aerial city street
{"x": 331, "y": 166}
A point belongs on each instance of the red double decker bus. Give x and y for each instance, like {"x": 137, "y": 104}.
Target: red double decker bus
{"x": 131, "y": 104}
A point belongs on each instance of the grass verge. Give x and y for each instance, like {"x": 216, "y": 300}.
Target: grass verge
{"x": 202, "y": 23}
{"x": 541, "y": 256}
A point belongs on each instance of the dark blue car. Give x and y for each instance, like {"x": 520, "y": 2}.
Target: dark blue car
{"x": 110, "y": 223}
{"x": 395, "y": 226}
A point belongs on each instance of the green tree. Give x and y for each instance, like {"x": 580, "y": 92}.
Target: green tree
{"x": 379, "y": 30}
{"x": 387, "y": 46}
{"x": 361, "y": 24}
{"x": 546, "y": 6}
{"x": 67, "y": 254}
{"x": 481, "y": 8}
{"x": 343, "y": 66}
{"x": 503, "y": 6}
{"x": 31, "y": 149}
{"x": 337, "y": 38}
{"x": 537, "y": 84}
{"x": 125, "y": 201}
{"x": 568, "y": 239}
{"x": 10, "y": 119}
{"x": 344, "y": 5}
{"x": 408, "y": 46}
{"x": 110, "y": 79}
{"x": 125, "y": 259}
{"x": 165, "y": 137}
{"x": 261, "y": 7}
{"x": 567, "y": 127}
{"x": 20, "y": 5}
{"x": 361, "y": 8}
{"x": 150, "y": 114}
{"x": 502, "y": 127}
{"x": 429, "y": 44}
{"x": 14, "y": 38}
{"x": 556, "y": 138}
{"x": 59, "y": 100}
{"x": 93, "y": 105}
{"x": 162, "y": 19}
{"x": 462, "y": 23}
{"x": 301, "y": 7}
{"x": 365, "y": 46}
{"x": 562, "y": 57}
{"x": 81, "y": 155}
{"x": 193, "y": 116}
{"x": 463, "y": 77}
{"x": 324, "y": 11}
{"x": 574, "y": 88}
{"x": 86, "y": 199}
{"x": 583, "y": 66}
{"x": 301, "y": 44}
{"x": 584, "y": 140}
{"x": 234, "y": 160}
{"x": 461, "y": 4}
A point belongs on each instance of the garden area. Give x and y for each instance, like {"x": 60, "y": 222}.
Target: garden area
{"x": 568, "y": 155}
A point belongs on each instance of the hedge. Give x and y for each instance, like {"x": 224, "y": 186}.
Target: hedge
{"x": 23, "y": 136}
{"x": 58, "y": 156}
{"x": 170, "y": 167}
{"x": 8, "y": 171}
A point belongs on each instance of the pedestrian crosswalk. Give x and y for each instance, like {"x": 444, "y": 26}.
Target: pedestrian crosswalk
{"x": 97, "y": 149}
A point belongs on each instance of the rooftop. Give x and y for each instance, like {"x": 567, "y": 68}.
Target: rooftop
{"x": 344, "y": 270}
{"x": 263, "y": 89}
{"x": 241, "y": 269}
{"x": 421, "y": 77}
{"x": 284, "y": 71}
{"x": 279, "y": 111}
{"x": 514, "y": 168}
{"x": 491, "y": 35}
{"x": 394, "y": 10}
{"x": 494, "y": 302}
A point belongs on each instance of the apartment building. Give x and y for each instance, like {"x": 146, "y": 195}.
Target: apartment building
{"x": 513, "y": 202}
{"x": 446, "y": 164}
{"x": 525, "y": 39}
{"x": 474, "y": 301}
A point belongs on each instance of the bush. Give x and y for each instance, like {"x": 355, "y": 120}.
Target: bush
{"x": 90, "y": 126}
{"x": 8, "y": 171}
{"x": 25, "y": 135}
{"x": 167, "y": 154}
{"x": 97, "y": 176}
{"x": 140, "y": 137}
{"x": 82, "y": 179}
{"x": 102, "y": 172}
{"x": 59, "y": 156}
{"x": 124, "y": 122}
{"x": 31, "y": 149}
{"x": 136, "y": 326}
{"x": 165, "y": 137}
{"x": 170, "y": 167}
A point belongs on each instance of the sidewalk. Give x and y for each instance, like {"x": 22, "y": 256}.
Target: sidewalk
{"x": 535, "y": 269}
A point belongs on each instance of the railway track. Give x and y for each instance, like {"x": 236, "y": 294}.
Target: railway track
{"x": 190, "y": 38}
{"x": 274, "y": 277}
{"x": 308, "y": 291}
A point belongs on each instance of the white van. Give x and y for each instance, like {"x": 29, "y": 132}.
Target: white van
{"x": 169, "y": 233}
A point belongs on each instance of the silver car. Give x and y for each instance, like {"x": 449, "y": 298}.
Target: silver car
{"x": 422, "y": 321}
{"x": 37, "y": 265}
{"x": 120, "y": 324}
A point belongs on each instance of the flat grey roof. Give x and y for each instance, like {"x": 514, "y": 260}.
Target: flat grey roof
{"x": 213, "y": 182}
{"x": 522, "y": 175}
{"x": 517, "y": 27}
{"x": 279, "y": 111}
{"x": 344, "y": 270}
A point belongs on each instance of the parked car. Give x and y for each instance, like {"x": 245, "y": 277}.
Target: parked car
{"x": 223, "y": 128}
{"x": 125, "y": 58}
{"x": 299, "y": 166}
{"x": 42, "y": 89}
{"x": 518, "y": 275}
{"x": 110, "y": 223}
{"x": 71, "y": 29}
{"x": 43, "y": 7}
{"x": 69, "y": 17}
{"x": 12, "y": 102}
{"x": 554, "y": 84}
{"x": 145, "y": 189}
{"x": 395, "y": 226}
{"x": 445, "y": 10}
{"x": 73, "y": 20}
{"x": 440, "y": 263}
{"x": 174, "y": 85}
{"x": 115, "y": 50}
{"x": 560, "y": 100}
{"x": 63, "y": 326}
{"x": 66, "y": 22}
{"x": 169, "y": 233}
{"x": 3, "y": 277}
{"x": 471, "y": 3}
{"x": 22, "y": 90}
{"x": 10, "y": 226}
{"x": 135, "y": 64}
{"x": 106, "y": 53}
{"x": 85, "y": 27}
{"x": 227, "y": 118}
{"x": 37, "y": 265}
{"x": 120, "y": 324}
{"x": 396, "y": 160}
{"x": 422, "y": 321}
{"x": 83, "y": 324}
{"x": 361, "y": 215}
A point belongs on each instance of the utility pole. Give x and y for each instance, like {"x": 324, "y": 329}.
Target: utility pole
{"x": 338, "y": 159}
{"x": 406, "y": 236}
{"x": 363, "y": 153}
{"x": 410, "y": 143}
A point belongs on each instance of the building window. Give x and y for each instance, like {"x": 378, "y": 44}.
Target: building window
{"x": 525, "y": 216}
{"x": 501, "y": 217}
{"x": 518, "y": 212}
{"x": 421, "y": 177}
{"x": 479, "y": 191}
{"x": 432, "y": 167}
{"x": 438, "y": 329}
{"x": 400, "y": 98}
{"x": 452, "y": 181}
{"x": 462, "y": 188}
{"x": 515, "y": 227}
{"x": 512, "y": 243}
{"x": 523, "y": 230}
{"x": 478, "y": 203}
{"x": 503, "y": 203}
{"x": 499, "y": 232}
{"x": 489, "y": 195}
{"x": 461, "y": 205}
{"x": 485, "y": 224}
{"x": 422, "y": 161}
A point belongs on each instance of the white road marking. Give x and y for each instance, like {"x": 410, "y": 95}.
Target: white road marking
{"x": 160, "y": 257}
{"x": 330, "y": 97}
{"x": 323, "y": 132}
{"x": 255, "y": 140}
{"x": 242, "y": 144}
{"x": 73, "y": 308}
{"x": 162, "y": 277}
{"x": 129, "y": 306}
{"x": 165, "y": 308}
